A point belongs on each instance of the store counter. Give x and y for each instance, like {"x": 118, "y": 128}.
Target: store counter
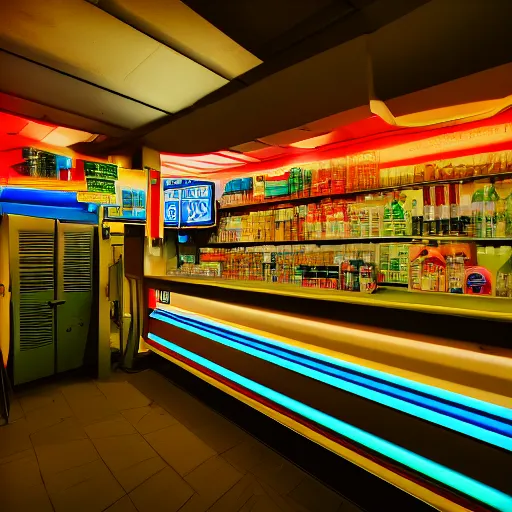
{"x": 414, "y": 387}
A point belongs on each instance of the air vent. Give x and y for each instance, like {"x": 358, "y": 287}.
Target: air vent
{"x": 36, "y": 324}
{"x": 77, "y": 261}
{"x": 36, "y": 252}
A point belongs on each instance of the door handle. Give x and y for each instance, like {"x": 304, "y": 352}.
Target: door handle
{"x": 54, "y": 303}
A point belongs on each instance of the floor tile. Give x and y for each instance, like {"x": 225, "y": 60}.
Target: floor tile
{"x": 93, "y": 494}
{"x": 15, "y": 411}
{"x": 180, "y": 448}
{"x": 58, "y": 457}
{"x": 284, "y": 502}
{"x": 114, "y": 426}
{"x": 164, "y": 492}
{"x": 236, "y": 497}
{"x": 221, "y": 434}
{"x": 58, "y": 482}
{"x": 213, "y": 478}
{"x": 130, "y": 458}
{"x": 262, "y": 504}
{"x": 179, "y": 404}
{"x": 38, "y": 397}
{"x": 248, "y": 455}
{"x": 314, "y": 496}
{"x": 68, "y": 429}
{"x": 16, "y": 456}
{"x": 48, "y": 415}
{"x": 123, "y": 505}
{"x": 36, "y": 499}
{"x": 149, "y": 419}
{"x": 93, "y": 409}
{"x": 14, "y": 438}
{"x": 122, "y": 395}
{"x": 121, "y": 452}
{"x": 281, "y": 474}
{"x": 20, "y": 474}
{"x": 196, "y": 504}
{"x": 135, "y": 475}
{"x": 75, "y": 392}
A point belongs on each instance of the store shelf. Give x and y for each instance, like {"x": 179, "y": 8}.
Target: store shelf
{"x": 368, "y": 240}
{"x": 347, "y": 195}
{"x": 487, "y": 308}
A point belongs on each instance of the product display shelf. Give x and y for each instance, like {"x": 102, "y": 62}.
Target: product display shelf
{"x": 347, "y": 195}
{"x": 486, "y": 308}
{"x": 346, "y": 241}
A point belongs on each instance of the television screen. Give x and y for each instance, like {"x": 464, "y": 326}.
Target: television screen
{"x": 189, "y": 203}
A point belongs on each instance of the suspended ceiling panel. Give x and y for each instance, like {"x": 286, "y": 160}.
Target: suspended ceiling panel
{"x": 178, "y": 26}
{"x": 77, "y": 38}
{"x": 328, "y": 83}
{"x": 256, "y": 24}
{"x": 33, "y": 110}
{"x": 38, "y": 131}
{"x": 441, "y": 41}
{"x": 41, "y": 85}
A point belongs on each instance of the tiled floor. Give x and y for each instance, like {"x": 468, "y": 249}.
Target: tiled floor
{"x": 139, "y": 443}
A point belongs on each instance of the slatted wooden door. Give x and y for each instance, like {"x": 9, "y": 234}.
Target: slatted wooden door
{"x": 75, "y": 287}
{"x": 32, "y": 264}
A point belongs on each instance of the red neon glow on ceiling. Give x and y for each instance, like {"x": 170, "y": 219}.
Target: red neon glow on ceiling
{"x": 372, "y": 133}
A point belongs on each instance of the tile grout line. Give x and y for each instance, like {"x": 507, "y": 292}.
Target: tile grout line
{"x": 41, "y": 473}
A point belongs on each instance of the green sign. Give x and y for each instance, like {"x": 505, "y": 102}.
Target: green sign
{"x": 101, "y": 185}
{"x": 99, "y": 170}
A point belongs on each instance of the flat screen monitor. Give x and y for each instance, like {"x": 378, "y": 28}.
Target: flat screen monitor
{"x": 189, "y": 203}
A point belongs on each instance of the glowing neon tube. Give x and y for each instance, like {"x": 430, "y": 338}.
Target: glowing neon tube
{"x": 486, "y": 429}
{"x": 443, "y": 394}
{"x": 427, "y": 467}
{"x": 286, "y": 351}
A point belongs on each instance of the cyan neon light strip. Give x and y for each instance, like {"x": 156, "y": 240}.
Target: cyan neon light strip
{"x": 491, "y": 437}
{"x": 443, "y": 394}
{"x": 476, "y": 418}
{"x": 427, "y": 467}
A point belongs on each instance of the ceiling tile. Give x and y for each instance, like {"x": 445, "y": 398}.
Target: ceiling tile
{"x": 66, "y": 137}
{"x": 36, "y": 131}
{"x": 177, "y": 25}
{"x": 76, "y": 34}
{"x": 170, "y": 81}
{"x": 33, "y": 110}
{"x": 35, "y": 83}
{"x": 80, "y": 39}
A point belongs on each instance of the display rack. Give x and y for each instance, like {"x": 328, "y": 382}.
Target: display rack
{"x": 369, "y": 240}
{"x": 285, "y": 200}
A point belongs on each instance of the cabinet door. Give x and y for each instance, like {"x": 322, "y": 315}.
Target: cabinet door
{"x": 32, "y": 263}
{"x": 74, "y": 286}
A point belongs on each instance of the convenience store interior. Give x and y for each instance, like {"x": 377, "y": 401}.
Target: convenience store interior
{"x": 255, "y": 257}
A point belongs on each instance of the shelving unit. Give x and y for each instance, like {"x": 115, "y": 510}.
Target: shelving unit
{"x": 284, "y": 201}
{"x": 346, "y": 241}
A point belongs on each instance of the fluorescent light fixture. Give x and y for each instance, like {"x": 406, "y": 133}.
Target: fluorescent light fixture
{"x": 427, "y": 467}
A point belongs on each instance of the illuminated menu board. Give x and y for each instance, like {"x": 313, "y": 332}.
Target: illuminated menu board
{"x": 100, "y": 170}
{"x": 100, "y": 177}
{"x": 101, "y": 185}
{"x": 189, "y": 203}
